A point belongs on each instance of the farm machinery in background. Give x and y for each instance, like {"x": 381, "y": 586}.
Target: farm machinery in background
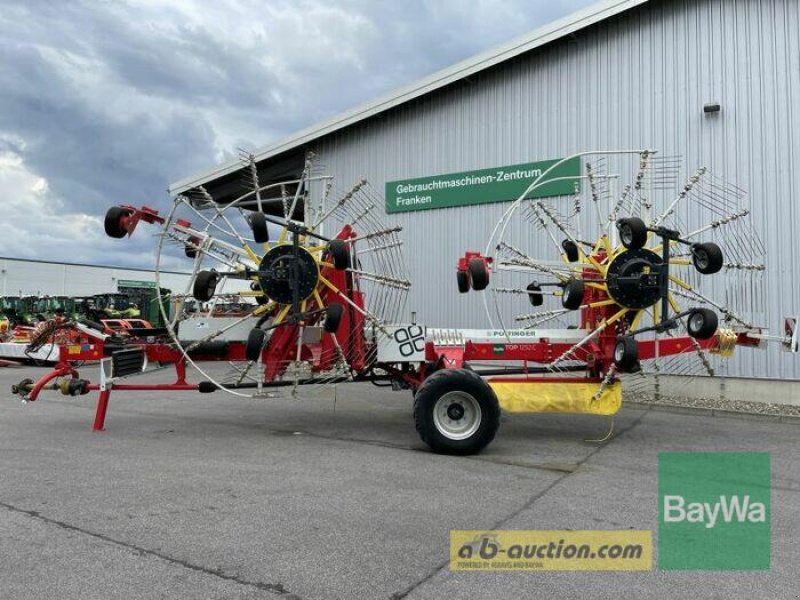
{"x": 324, "y": 285}
{"x": 25, "y": 318}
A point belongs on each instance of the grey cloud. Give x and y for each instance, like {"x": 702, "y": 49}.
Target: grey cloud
{"x": 113, "y": 101}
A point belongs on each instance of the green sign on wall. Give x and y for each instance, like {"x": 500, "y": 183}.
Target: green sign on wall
{"x": 480, "y": 187}
{"x": 136, "y": 284}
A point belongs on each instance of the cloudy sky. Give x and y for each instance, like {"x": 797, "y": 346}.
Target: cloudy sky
{"x": 109, "y": 101}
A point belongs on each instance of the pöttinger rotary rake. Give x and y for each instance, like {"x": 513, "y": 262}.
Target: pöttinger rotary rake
{"x": 320, "y": 285}
{"x": 635, "y": 262}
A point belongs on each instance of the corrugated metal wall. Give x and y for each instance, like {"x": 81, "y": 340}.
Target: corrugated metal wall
{"x": 19, "y": 277}
{"x": 639, "y": 80}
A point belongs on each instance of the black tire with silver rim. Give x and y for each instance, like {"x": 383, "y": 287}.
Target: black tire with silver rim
{"x": 205, "y": 284}
{"x": 626, "y": 354}
{"x": 632, "y": 233}
{"x": 707, "y": 258}
{"x": 573, "y": 294}
{"x": 456, "y": 412}
{"x": 702, "y": 323}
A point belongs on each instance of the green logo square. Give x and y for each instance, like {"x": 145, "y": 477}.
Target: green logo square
{"x": 714, "y": 511}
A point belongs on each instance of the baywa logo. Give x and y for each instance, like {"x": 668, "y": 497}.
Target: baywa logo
{"x": 729, "y": 508}
{"x": 714, "y": 511}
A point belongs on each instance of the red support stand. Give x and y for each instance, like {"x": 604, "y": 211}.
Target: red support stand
{"x": 102, "y": 406}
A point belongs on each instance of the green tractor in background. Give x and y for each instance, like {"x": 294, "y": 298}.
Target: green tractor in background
{"x": 109, "y": 306}
{"x": 49, "y": 307}
{"x": 144, "y": 294}
{"x": 8, "y": 308}
{"x": 25, "y": 309}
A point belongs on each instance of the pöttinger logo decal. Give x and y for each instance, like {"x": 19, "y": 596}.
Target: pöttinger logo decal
{"x": 714, "y": 511}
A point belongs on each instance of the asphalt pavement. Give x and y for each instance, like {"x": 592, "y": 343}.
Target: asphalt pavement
{"x": 188, "y": 495}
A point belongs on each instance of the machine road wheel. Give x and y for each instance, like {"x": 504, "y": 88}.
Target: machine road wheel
{"x": 456, "y": 412}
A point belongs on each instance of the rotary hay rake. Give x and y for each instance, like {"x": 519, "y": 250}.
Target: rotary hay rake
{"x": 635, "y": 263}
{"x": 323, "y": 287}
{"x": 313, "y": 296}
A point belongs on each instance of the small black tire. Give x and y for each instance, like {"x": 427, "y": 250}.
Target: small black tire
{"x": 707, "y": 258}
{"x": 456, "y": 412}
{"x": 258, "y": 224}
{"x": 113, "y": 222}
{"x": 535, "y": 294}
{"x": 340, "y": 254}
{"x": 626, "y": 354}
{"x": 190, "y": 249}
{"x": 478, "y": 274}
{"x": 205, "y": 284}
{"x": 702, "y": 323}
{"x": 333, "y": 316}
{"x": 462, "y": 277}
{"x": 574, "y": 289}
{"x": 571, "y": 250}
{"x": 255, "y": 344}
{"x": 632, "y": 233}
{"x": 261, "y": 299}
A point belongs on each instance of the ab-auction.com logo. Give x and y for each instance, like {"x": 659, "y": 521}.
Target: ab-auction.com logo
{"x": 557, "y": 550}
{"x": 714, "y": 511}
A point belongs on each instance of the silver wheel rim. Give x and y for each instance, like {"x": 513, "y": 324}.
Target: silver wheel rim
{"x": 626, "y": 235}
{"x": 457, "y": 415}
{"x": 619, "y": 353}
{"x": 696, "y": 322}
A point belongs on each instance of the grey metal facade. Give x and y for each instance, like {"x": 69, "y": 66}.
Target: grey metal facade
{"x": 637, "y": 80}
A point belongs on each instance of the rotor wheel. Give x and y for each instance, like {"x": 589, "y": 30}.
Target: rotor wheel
{"x": 707, "y": 258}
{"x": 255, "y": 344}
{"x": 571, "y": 251}
{"x": 205, "y": 284}
{"x": 626, "y": 354}
{"x": 462, "y": 277}
{"x": 632, "y": 233}
{"x": 113, "y": 222}
{"x": 333, "y": 316}
{"x": 535, "y": 294}
{"x": 258, "y": 223}
{"x": 702, "y": 323}
{"x": 573, "y": 294}
{"x": 478, "y": 273}
{"x": 340, "y": 254}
